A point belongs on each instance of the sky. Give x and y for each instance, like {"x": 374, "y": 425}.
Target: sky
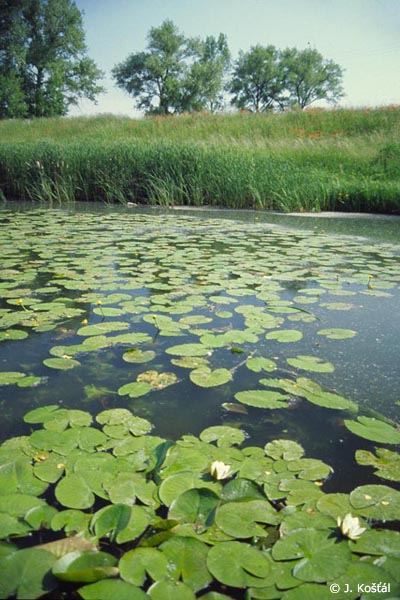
{"x": 362, "y": 36}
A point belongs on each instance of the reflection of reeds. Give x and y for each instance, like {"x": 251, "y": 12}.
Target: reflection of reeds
{"x": 309, "y": 160}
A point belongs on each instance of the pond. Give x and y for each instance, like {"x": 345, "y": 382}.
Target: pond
{"x": 282, "y": 327}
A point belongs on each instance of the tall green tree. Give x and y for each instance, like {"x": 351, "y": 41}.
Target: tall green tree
{"x": 257, "y": 81}
{"x": 43, "y": 58}
{"x": 175, "y": 74}
{"x": 310, "y": 77}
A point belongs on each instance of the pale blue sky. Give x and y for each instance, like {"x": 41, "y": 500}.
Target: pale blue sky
{"x": 362, "y": 36}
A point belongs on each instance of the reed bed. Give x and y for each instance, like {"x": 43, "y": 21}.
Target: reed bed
{"x": 313, "y": 160}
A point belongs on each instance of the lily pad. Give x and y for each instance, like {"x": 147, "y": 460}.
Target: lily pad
{"x": 135, "y": 355}
{"x": 73, "y": 492}
{"x": 259, "y": 363}
{"x": 85, "y": 566}
{"x": 373, "y": 429}
{"x": 337, "y": 334}
{"x": 223, "y": 435}
{"x": 135, "y": 389}
{"x": 63, "y": 364}
{"x": 285, "y": 335}
{"x": 376, "y": 502}
{"x": 311, "y": 363}
{"x": 242, "y": 519}
{"x": 10, "y": 377}
{"x": 135, "y": 565}
{"x": 239, "y": 565}
{"x": 263, "y": 399}
{"x": 110, "y": 589}
{"x": 386, "y": 462}
{"x": 157, "y": 381}
{"x": 188, "y": 350}
{"x": 103, "y": 328}
{"x": 321, "y": 557}
{"x": 205, "y": 377}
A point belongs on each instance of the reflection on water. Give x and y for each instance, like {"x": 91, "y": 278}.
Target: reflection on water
{"x": 151, "y": 269}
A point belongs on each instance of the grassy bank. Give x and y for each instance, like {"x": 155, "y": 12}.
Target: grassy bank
{"x": 311, "y": 160}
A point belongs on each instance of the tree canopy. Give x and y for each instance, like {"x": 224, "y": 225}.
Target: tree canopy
{"x": 44, "y": 67}
{"x": 266, "y": 78}
{"x": 175, "y": 74}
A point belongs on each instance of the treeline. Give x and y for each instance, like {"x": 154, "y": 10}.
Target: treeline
{"x": 44, "y": 68}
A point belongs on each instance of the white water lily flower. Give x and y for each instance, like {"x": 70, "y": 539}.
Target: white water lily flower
{"x": 219, "y": 470}
{"x": 350, "y": 527}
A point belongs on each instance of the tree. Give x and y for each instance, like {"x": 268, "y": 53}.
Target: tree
{"x": 175, "y": 74}
{"x": 43, "y": 62}
{"x": 257, "y": 81}
{"x": 310, "y": 77}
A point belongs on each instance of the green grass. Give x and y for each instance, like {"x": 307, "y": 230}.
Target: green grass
{"x": 311, "y": 160}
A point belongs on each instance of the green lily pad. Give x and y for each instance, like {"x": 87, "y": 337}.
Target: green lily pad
{"x": 157, "y": 381}
{"x": 386, "y": 462}
{"x": 239, "y": 565}
{"x": 242, "y": 519}
{"x": 139, "y": 563}
{"x": 64, "y": 364}
{"x": 196, "y": 505}
{"x": 373, "y": 429}
{"x": 190, "y": 362}
{"x": 10, "y": 377}
{"x": 85, "y": 566}
{"x": 286, "y": 449}
{"x": 285, "y": 335}
{"x": 311, "y": 363}
{"x": 376, "y": 502}
{"x": 73, "y": 492}
{"x": 103, "y": 328}
{"x": 28, "y": 574}
{"x": 205, "y": 377}
{"x": 135, "y": 389}
{"x": 110, "y": 520}
{"x": 259, "y": 363}
{"x": 188, "y": 350}
{"x": 378, "y": 543}
{"x": 187, "y": 561}
{"x": 223, "y": 435}
{"x": 263, "y": 399}
{"x": 321, "y": 557}
{"x": 170, "y": 590}
{"x": 109, "y": 589}
{"x": 337, "y": 334}
{"x": 135, "y": 355}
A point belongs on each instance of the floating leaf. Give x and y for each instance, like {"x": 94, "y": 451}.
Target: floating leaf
{"x": 158, "y": 381}
{"x": 205, "y": 377}
{"x": 102, "y": 328}
{"x": 263, "y": 398}
{"x": 28, "y": 574}
{"x": 170, "y": 590}
{"x": 337, "y": 334}
{"x": 139, "y": 563}
{"x": 109, "y": 589}
{"x": 242, "y": 519}
{"x": 311, "y": 363}
{"x": 73, "y": 492}
{"x": 223, "y": 435}
{"x": 195, "y": 506}
{"x": 376, "y": 502}
{"x": 259, "y": 363}
{"x": 10, "y": 377}
{"x": 322, "y": 558}
{"x": 190, "y": 362}
{"x": 386, "y": 462}
{"x": 286, "y": 449}
{"x": 64, "y": 364}
{"x": 135, "y": 389}
{"x": 187, "y": 561}
{"x": 239, "y": 565}
{"x": 373, "y": 429}
{"x": 85, "y": 566}
{"x": 285, "y": 335}
{"x": 188, "y": 350}
{"x": 135, "y": 355}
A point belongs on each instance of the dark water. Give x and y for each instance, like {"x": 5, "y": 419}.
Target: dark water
{"x": 178, "y": 263}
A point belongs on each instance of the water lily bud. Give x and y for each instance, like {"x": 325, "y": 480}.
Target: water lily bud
{"x": 350, "y": 527}
{"x": 219, "y": 470}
